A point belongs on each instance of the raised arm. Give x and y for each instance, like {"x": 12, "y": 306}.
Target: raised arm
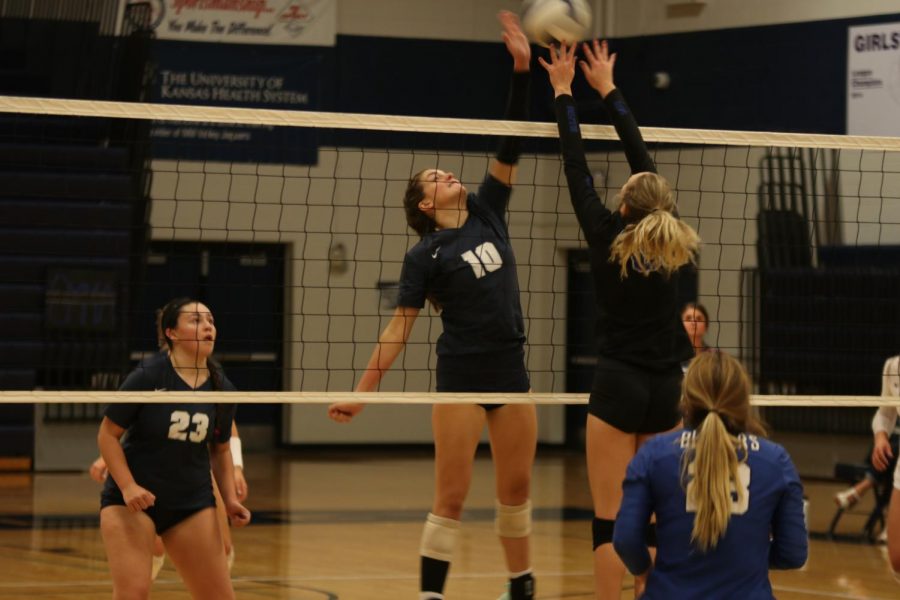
{"x": 598, "y": 70}
{"x": 587, "y": 205}
{"x": 390, "y": 344}
{"x": 503, "y": 168}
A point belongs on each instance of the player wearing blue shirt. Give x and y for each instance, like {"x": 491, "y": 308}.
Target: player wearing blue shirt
{"x": 465, "y": 266}
{"x": 728, "y": 503}
{"x": 160, "y": 480}
{"x": 636, "y": 252}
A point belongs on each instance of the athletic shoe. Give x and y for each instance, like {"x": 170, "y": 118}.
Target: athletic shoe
{"x": 157, "y": 565}
{"x": 847, "y": 498}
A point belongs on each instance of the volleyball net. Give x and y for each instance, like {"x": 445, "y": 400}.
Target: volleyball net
{"x": 290, "y": 226}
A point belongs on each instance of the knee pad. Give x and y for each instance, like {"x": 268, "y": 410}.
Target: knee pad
{"x": 650, "y": 535}
{"x": 603, "y": 531}
{"x": 439, "y": 537}
{"x": 513, "y": 521}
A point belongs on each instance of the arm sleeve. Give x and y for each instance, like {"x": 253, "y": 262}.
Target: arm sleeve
{"x": 790, "y": 539}
{"x": 516, "y": 110}
{"x": 591, "y": 213}
{"x": 413, "y": 282}
{"x": 124, "y": 415}
{"x": 629, "y": 536}
{"x": 494, "y": 195}
{"x": 635, "y": 149}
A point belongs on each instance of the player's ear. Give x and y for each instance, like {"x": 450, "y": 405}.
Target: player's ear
{"x": 426, "y": 204}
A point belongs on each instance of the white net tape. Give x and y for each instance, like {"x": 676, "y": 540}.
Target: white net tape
{"x": 290, "y": 118}
{"x": 89, "y": 397}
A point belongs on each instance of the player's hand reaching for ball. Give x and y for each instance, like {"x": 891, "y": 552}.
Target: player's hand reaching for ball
{"x": 561, "y": 68}
{"x": 598, "y": 67}
{"x": 516, "y": 42}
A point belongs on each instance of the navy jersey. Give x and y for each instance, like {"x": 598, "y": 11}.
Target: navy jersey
{"x": 638, "y": 320}
{"x": 766, "y": 529}
{"x": 166, "y": 445}
{"x": 471, "y": 273}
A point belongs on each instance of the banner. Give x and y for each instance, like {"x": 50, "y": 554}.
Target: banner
{"x": 873, "y": 80}
{"x": 283, "y": 22}
{"x": 241, "y": 76}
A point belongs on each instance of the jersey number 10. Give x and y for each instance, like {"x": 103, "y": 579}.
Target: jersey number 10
{"x": 484, "y": 259}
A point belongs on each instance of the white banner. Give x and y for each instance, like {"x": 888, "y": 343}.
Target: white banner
{"x": 873, "y": 80}
{"x": 281, "y": 22}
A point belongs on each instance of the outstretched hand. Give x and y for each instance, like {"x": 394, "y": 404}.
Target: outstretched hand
{"x": 598, "y": 66}
{"x": 515, "y": 41}
{"x": 561, "y": 68}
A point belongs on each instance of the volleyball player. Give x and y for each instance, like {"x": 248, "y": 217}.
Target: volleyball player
{"x": 728, "y": 503}
{"x": 160, "y": 480}
{"x": 635, "y": 254}
{"x": 695, "y": 318}
{"x": 883, "y": 424}
{"x": 464, "y": 264}
{"x": 99, "y": 473}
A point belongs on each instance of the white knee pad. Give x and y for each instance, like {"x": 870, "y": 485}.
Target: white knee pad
{"x": 439, "y": 537}
{"x": 513, "y": 521}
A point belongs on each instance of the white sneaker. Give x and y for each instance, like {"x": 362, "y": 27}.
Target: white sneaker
{"x": 157, "y": 565}
{"x": 847, "y": 498}
{"x": 505, "y": 595}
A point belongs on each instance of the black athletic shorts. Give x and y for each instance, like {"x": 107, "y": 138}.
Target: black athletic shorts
{"x": 494, "y": 372}
{"x": 163, "y": 518}
{"x": 636, "y": 400}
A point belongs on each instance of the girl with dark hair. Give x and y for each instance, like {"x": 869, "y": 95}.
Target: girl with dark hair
{"x": 464, "y": 264}
{"x": 728, "y": 503}
{"x": 636, "y": 252}
{"x": 696, "y": 321}
{"x": 160, "y": 480}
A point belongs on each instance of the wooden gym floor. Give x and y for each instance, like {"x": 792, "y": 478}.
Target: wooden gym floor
{"x": 345, "y": 525}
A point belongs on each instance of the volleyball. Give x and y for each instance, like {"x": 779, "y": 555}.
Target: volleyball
{"x": 549, "y": 21}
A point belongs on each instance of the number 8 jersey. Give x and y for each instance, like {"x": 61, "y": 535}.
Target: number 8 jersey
{"x": 166, "y": 445}
{"x": 766, "y": 529}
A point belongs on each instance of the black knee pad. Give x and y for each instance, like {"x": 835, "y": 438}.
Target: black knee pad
{"x": 603, "y": 531}
{"x": 650, "y": 535}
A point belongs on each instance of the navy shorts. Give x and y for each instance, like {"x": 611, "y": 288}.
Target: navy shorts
{"x": 636, "y": 400}
{"x": 163, "y": 518}
{"x": 492, "y": 372}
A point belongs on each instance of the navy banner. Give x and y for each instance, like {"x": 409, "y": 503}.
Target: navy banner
{"x": 238, "y": 75}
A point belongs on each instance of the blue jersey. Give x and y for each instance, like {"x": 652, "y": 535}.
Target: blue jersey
{"x": 766, "y": 529}
{"x": 471, "y": 274}
{"x": 166, "y": 445}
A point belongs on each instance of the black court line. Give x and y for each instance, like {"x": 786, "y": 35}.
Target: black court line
{"x": 295, "y": 517}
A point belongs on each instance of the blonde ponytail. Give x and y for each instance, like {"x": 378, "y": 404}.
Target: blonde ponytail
{"x": 655, "y": 241}
{"x": 714, "y": 462}
{"x": 716, "y": 402}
